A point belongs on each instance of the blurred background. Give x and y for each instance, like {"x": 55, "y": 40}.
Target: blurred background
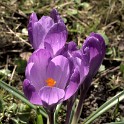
{"x": 81, "y": 18}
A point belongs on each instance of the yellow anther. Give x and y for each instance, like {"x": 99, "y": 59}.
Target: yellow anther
{"x": 50, "y": 82}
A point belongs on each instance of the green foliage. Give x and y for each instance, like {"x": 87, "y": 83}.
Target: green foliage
{"x": 39, "y": 119}
{"x": 21, "y": 64}
{"x": 1, "y": 105}
{"x": 105, "y": 107}
{"x": 72, "y": 12}
{"x": 20, "y": 95}
{"x": 104, "y": 36}
{"x": 4, "y": 73}
{"x": 122, "y": 68}
{"x": 102, "y": 68}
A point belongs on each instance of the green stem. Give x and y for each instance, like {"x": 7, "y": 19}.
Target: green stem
{"x": 79, "y": 110}
{"x": 68, "y": 114}
{"x": 39, "y": 119}
{"x": 51, "y": 117}
{"x": 70, "y": 109}
{"x": 56, "y": 112}
{"x": 84, "y": 88}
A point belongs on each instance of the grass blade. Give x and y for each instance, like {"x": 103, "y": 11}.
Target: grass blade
{"x": 20, "y": 96}
{"x": 39, "y": 119}
{"x": 106, "y": 106}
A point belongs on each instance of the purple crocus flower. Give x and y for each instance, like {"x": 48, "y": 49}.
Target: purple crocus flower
{"x": 93, "y": 52}
{"x": 48, "y": 33}
{"x": 91, "y": 55}
{"x": 48, "y": 80}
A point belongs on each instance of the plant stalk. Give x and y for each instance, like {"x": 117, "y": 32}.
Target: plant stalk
{"x": 84, "y": 88}
{"x": 51, "y": 117}
{"x": 70, "y": 107}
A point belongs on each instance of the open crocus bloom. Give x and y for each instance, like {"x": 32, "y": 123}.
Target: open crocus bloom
{"x": 48, "y": 80}
{"x": 47, "y": 33}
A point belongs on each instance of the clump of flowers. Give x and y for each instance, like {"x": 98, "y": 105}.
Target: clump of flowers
{"x": 57, "y": 70}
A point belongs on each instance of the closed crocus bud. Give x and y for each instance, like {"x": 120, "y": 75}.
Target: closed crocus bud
{"x": 91, "y": 56}
{"x": 49, "y": 32}
{"x": 93, "y": 51}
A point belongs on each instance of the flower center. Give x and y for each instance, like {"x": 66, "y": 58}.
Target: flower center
{"x": 50, "y": 82}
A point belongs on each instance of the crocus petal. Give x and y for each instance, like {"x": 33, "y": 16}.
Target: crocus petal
{"x": 40, "y": 30}
{"x": 31, "y": 93}
{"x": 75, "y": 77}
{"x": 68, "y": 49}
{"x": 73, "y": 84}
{"x": 28, "y": 72}
{"x": 71, "y": 90}
{"x": 46, "y": 22}
{"x": 92, "y": 46}
{"x": 58, "y": 69}
{"x": 102, "y": 44}
{"x": 55, "y": 16}
{"x": 51, "y": 95}
{"x": 84, "y": 70}
{"x": 36, "y": 68}
{"x": 55, "y": 38}
{"x": 101, "y": 40}
{"x": 33, "y": 19}
{"x": 38, "y": 35}
{"x": 72, "y": 46}
{"x": 81, "y": 70}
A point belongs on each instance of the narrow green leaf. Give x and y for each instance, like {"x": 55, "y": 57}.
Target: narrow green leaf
{"x": 20, "y": 96}
{"x": 122, "y": 68}
{"x": 116, "y": 123}
{"x": 72, "y": 12}
{"x": 5, "y": 72}
{"x": 12, "y": 88}
{"x": 106, "y": 106}
{"x": 1, "y": 105}
{"x": 39, "y": 119}
{"x": 56, "y": 113}
{"x": 21, "y": 65}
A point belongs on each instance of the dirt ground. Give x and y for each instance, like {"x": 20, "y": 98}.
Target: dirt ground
{"x": 81, "y": 18}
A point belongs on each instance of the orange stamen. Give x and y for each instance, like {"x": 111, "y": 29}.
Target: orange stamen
{"x": 50, "y": 82}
